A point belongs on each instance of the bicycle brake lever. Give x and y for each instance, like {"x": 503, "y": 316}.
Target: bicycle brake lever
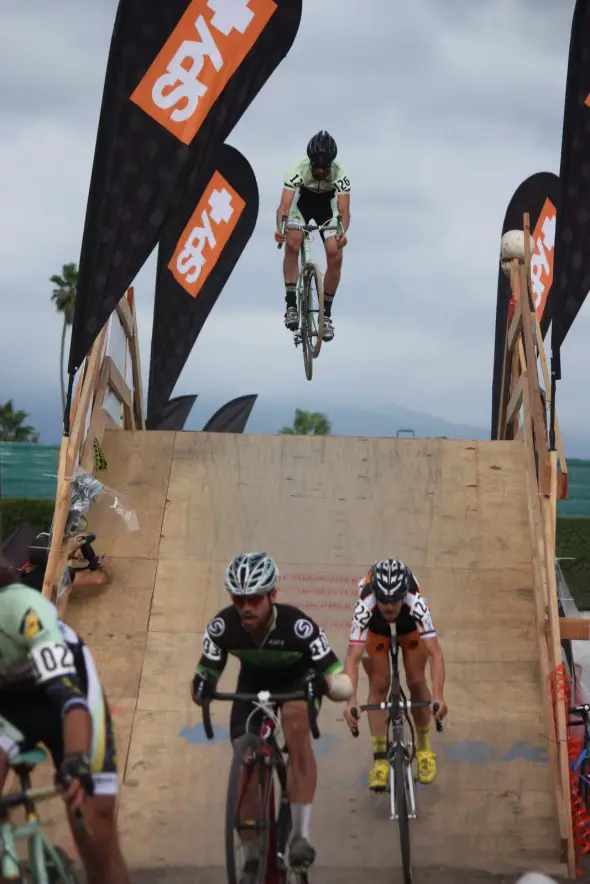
{"x": 439, "y": 724}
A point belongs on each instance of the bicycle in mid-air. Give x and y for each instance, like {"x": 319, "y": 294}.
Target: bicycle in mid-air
{"x": 401, "y": 751}
{"x": 310, "y": 308}
{"x": 260, "y": 759}
{"x": 46, "y": 863}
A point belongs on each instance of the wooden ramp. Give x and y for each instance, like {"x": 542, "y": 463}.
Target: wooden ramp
{"x": 325, "y": 508}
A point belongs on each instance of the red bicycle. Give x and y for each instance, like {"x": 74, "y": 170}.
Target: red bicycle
{"x": 258, "y": 815}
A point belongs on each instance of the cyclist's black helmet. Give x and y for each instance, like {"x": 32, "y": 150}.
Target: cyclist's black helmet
{"x": 390, "y": 580}
{"x": 322, "y": 150}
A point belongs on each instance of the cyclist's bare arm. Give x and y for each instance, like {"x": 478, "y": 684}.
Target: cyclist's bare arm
{"x": 354, "y": 653}
{"x": 287, "y": 198}
{"x": 437, "y": 665}
{"x": 344, "y": 209}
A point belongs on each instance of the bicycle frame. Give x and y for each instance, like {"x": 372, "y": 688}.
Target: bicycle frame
{"x": 305, "y": 251}
{"x": 398, "y": 706}
{"x": 39, "y": 847}
{"x": 398, "y": 709}
{"x": 265, "y": 702}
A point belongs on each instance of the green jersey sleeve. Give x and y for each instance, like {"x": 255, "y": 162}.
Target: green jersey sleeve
{"x": 30, "y": 630}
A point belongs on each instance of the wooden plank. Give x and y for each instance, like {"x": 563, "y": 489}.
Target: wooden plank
{"x": 516, "y": 399}
{"x": 574, "y": 628}
{"x": 136, "y": 369}
{"x": 118, "y": 384}
{"x": 515, "y": 326}
{"x": 546, "y": 650}
{"x": 126, "y": 317}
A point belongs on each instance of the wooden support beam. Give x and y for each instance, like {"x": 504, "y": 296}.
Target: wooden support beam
{"x": 515, "y": 403}
{"x": 574, "y": 628}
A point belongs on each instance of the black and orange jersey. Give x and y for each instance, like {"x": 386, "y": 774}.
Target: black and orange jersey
{"x": 414, "y": 615}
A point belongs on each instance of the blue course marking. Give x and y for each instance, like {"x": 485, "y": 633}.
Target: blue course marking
{"x": 479, "y": 752}
{"x": 195, "y": 736}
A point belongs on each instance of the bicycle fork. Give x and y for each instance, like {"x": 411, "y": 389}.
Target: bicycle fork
{"x": 411, "y": 802}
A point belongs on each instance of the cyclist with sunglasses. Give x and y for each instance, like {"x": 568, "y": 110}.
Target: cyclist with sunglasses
{"x": 390, "y": 594}
{"x": 323, "y": 189}
{"x": 277, "y": 645}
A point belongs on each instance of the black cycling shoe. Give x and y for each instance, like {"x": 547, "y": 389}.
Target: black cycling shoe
{"x": 250, "y": 872}
{"x": 291, "y": 318}
{"x": 301, "y": 853}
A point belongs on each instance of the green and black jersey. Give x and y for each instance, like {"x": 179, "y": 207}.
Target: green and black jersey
{"x": 294, "y": 645}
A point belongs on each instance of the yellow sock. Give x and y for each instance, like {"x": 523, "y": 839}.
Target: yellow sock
{"x": 379, "y": 747}
{"x": 423, "y": 735}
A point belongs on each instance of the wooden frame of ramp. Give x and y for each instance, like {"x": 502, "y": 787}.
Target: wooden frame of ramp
{"x": 523, "y": 415}
{"x": 112, "y": 371}
{"x": 109, "y": 397}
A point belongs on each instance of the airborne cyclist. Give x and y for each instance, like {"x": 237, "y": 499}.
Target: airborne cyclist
{"x": 324, "y": 192}
{"x": 277, "y": 644}
{"x": 390, "y": 594}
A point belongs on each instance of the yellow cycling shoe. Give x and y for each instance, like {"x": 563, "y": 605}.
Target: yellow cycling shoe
{"x": 379, "y": 776}
{"x": 426, "y": 764}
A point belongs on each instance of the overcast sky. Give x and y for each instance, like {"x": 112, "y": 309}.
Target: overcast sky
{"x": 440, "y": 109}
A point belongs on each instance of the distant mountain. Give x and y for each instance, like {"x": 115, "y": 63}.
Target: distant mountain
{"x": 268, "y": 416}
{"x": 349, "y": 420}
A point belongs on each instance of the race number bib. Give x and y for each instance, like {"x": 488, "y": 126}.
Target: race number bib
{"x": 52, "y": 661}
{"x": 361, "y": 615}
{"x": 319, "y": 647}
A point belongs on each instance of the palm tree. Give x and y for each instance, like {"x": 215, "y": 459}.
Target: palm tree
{"x": 64, "y": 298}
{"x": 13, "y": 427}
{"x": 308, "y": 423}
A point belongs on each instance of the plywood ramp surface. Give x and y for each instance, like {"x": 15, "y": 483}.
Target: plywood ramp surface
{"x": 325, "y": 508}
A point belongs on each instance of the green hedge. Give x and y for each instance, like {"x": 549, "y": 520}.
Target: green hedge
{"x": 573, "y": 539}
{"x": 15, "y": 511}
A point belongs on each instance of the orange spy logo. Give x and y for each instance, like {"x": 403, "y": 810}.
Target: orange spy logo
{"x": 206, "y": 234}
{"x": 188, "y": 75}
{"x": 542, "y": 256}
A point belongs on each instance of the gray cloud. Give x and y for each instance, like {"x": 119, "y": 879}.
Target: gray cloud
{"x": 440, "y": 111}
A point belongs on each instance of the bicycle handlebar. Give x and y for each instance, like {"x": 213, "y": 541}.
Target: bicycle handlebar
{"x": 310, "y": 228}
{"x": 413, "y": 704}
{"x": 41, "y": 793}
{"x": 583, "y": 710}
{"x": 262, "y": 697}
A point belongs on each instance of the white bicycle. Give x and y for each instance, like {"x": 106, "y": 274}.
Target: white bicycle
{"x": 310, "y": 306}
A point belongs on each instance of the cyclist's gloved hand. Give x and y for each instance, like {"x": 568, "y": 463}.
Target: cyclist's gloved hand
{"x": 201, "y": 688}
{"x": 75, "y": 779}
{"x": 318, "y": 683}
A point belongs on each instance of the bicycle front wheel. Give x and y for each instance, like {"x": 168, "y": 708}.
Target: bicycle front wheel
{"x": 249, "y": 817}
{"x": 313, "y": 283}
{"x": 401, "y": 806}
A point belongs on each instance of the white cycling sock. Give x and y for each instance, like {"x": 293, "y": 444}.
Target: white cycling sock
{"x": 300, "y": 817}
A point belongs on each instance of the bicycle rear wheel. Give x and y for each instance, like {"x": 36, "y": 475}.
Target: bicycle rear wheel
{"x": 313, "y": 283}
{"x": 401, "y": 806}
{"x": 249, "y": 809}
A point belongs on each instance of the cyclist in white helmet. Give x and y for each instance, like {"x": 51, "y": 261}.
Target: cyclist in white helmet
{"x": 277, "y": 645}
{"x": 390, "y": 594}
